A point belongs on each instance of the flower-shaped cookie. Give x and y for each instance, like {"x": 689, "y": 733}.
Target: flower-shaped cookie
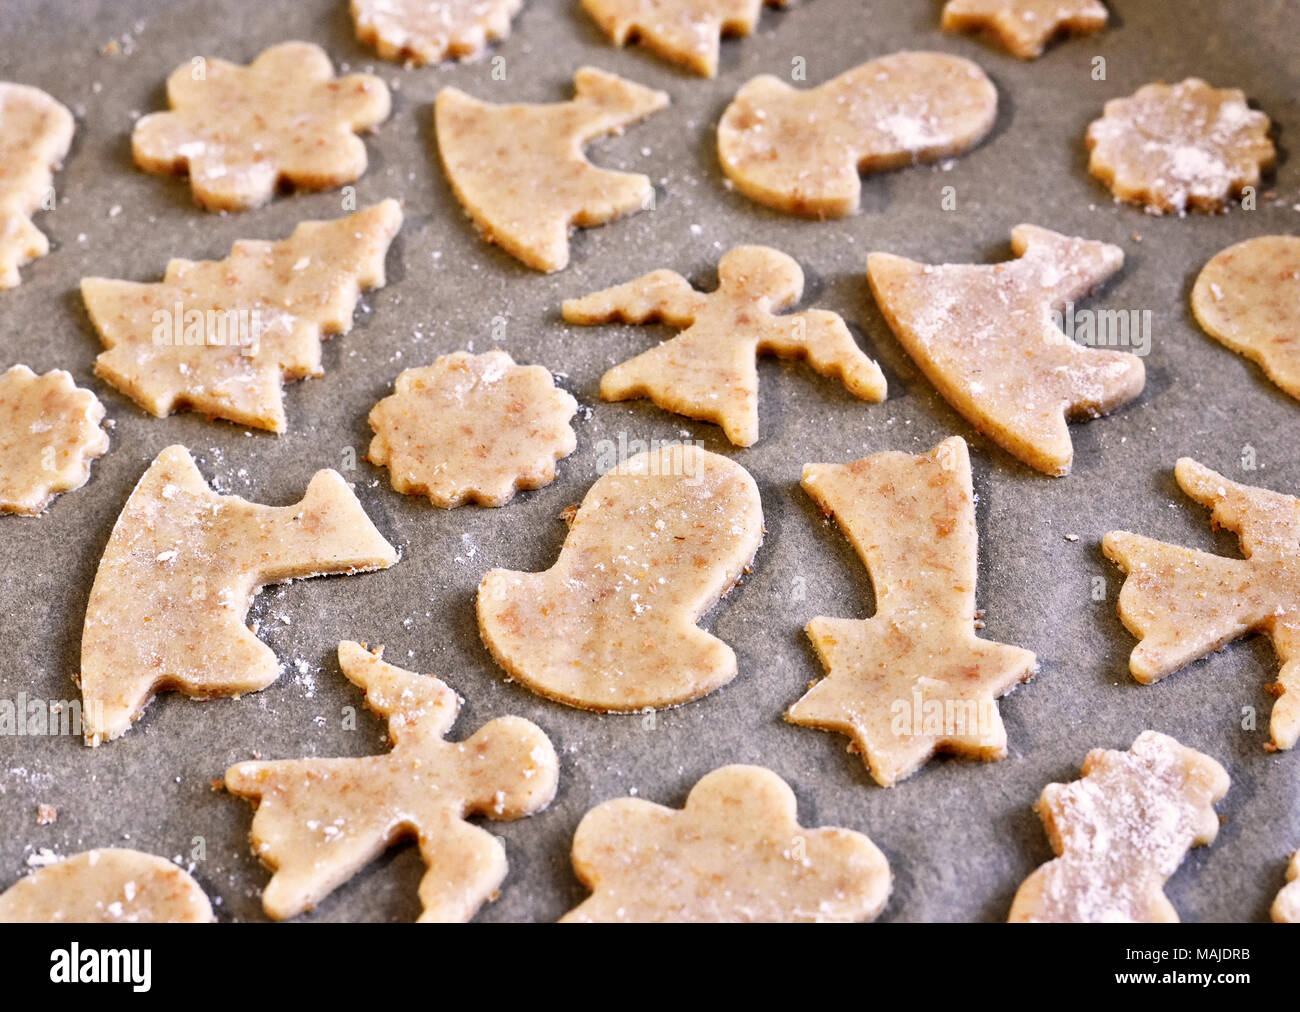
{"x": 35, "y": 133}
{"x": 427, "y": 31}
{"x": 472, "y": 428}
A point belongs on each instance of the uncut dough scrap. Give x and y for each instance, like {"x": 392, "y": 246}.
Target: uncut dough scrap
{"x": 1179, "y": 147}
{"x": 1120, "y": 831}
{"x": 1025, "y": 27}
{"x": 1248, "y": 299}
{"x": 429, "y": 31}
{"x": 472, "y": 428}
{"x": 911, "y": 520}
{"x": 802, "y": 151}
{"x": 1183, "y": 604}
{"x": 49, "y": 433}
{"x": 611, "y": 626}
{"x": 736, "y": 852}
{"x": 687, "y": 32}
{"x": 35, "y": 134}
{"x": 985, "y": 336}
{"x": 179, "y": 573}
{"x": 1286, "y": 908}
{"x": 109, "y": 886}
{"x": 520, "y": 172}
{"x": 246, "y": 323}
{"x": 708, "y": 371}
{"x": 320, "y": 821}
{"x": 241, "y": 132}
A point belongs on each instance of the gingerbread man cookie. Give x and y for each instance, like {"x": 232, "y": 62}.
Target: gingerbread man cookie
{"x": 520, "y": 172}
{"x": 1183, "y": 604}
{"x": 802, "y": 151}
{"x": 49, "y": 434}
{"x": 708, "y": 371}
{"x": 179, "y": 573}
{"x": 1121, "y": 831}
{"x": 320, "y": 821}
{"x": 736, "y": 852}
{"x": 1025, "y": 27}
{"x": 986, "y": 337}
{"x": 242, "y": 132}
{"x": 1286, "y": 908}
{"x": 612, "y": 625}
{"x": 428, "y": 31}
{"x": 223, "y": 336}
{"x": 35, "y": 134}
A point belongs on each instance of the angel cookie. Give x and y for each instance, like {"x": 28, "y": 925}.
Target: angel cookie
{"x": 49, "y": 434}
{"x": 989, "y": 339}
{"x": 177, "y": 577}
{"x": 914, "y": 679}
{"x": 802, "y": 151}
{"x": 1025, "y": 27}
{"x": 520, "y": 172}
{"x": 708, "y": 371}
{"x": 320, "y": 821}
{"x": 428, "y": 31}
{"x": 242, "y": 132}
{"x": 736, "y": 852}
{"x": 611, "y": 626}
{"x": 1121, "y": 831}
{"x": 472, "y": 428}
{"x": 222, "y": 336}
{"x": 35, "y": 134}
{"x": 1183, "y": 604}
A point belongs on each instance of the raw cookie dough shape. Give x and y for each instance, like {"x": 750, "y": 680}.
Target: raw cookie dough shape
{"x": 911, "y": 520}
{"x": 179, "y": 573}
{"x": 320, "y": 821}
{"x": 1248, "y": 299}
{"x": 223, "y": 336}
{"x": 802, "y": 151}
{"x": 1183, "y": 604}
{"x": 242, "y": 132}
{"x": 1179, "y": 147}
{"x": 472, "y": 428}
{"x": 611, "y": 626}
{"x": 985, "y": 336}
{"x": 1120, "y": 831}
{"x": 708, "y": 371}
{"x": 108, "y": 886}
{"x": 520, "y": 172}
{"x": 429, "y": 31}
{"x": 1025, "y": 27}
{"x": 687, "y": 32}
{"x": 736, "y": 852}
{"x": 1286, "y": 908}
{"x": 49, "y": 433}
{"x": 35, "y": 134}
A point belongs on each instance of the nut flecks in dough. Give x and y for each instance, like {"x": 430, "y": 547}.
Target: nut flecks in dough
{"x": 520, "y": 172}
{"x": 687, "y": 32}
{"x": 428, "y": 31}
{"x": 1248, "y": 298}
{"x": 222, "y": 336}
{"x": 241, "y": 132}
{"x": 320, "y": 821}
{"x": 736, "y": 852}
{"x": 180, "y": 570}
{"x": 35, "y": 134}
{"x": 49, "y": 433}
{"x": 472, "y": 428}
{"x": 1025, "y": 27}
{"x": 109, "y": 886}
{"x": 985, "y": 336}
{"x": 708, "y": 371}
{"x": 1286, "y": 908}
{"x": 1180, "y": 147}
{"x": 1183, "y": 604}
{"x": 802, "y": 151}
{"x": 1120, "y": 831}
{"x": 914, "y": 679}
{"x": 611, "y": 626}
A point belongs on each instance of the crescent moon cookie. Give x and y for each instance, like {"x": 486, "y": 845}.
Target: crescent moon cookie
{"x": 736, "y": 852}
{"x": 802, "y": 151}
{"x": 612, "y": 625}
{"x": 35, "y": 134}
{"x": 429, "y": 31}
{"x": 1025, "y": 27}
